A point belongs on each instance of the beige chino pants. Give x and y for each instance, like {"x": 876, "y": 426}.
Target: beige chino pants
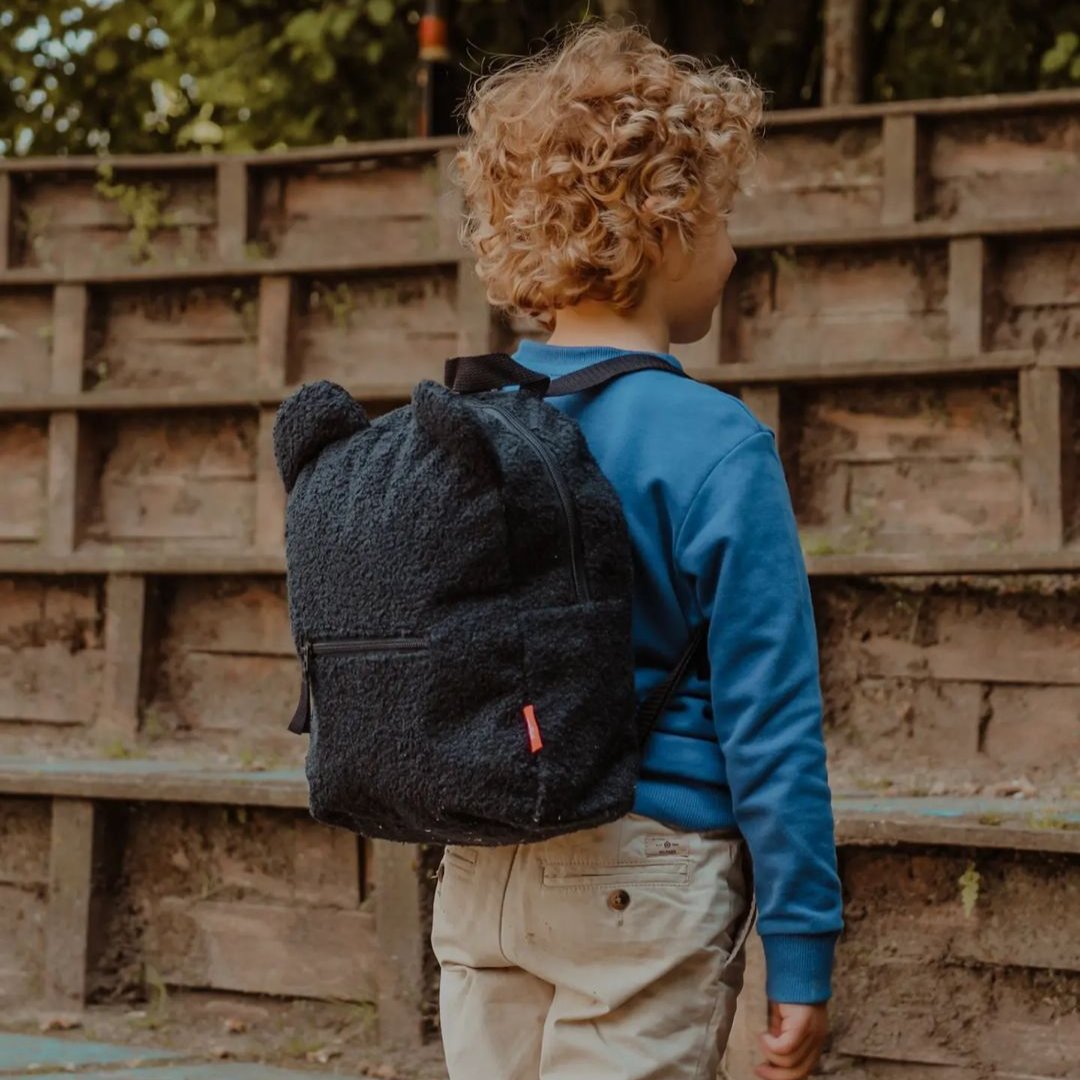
{"x": 614, "y": 953}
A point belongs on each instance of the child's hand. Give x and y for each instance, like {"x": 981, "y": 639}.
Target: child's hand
{"x": 793, "y": 1042}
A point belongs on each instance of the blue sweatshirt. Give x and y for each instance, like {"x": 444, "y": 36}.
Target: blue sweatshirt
{"x": 714, "y": 537}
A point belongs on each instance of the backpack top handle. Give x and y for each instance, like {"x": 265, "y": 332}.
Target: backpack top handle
{"x": 492, "y": 371}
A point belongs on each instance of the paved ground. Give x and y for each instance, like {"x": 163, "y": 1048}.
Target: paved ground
{"x": 49, "y": 1058}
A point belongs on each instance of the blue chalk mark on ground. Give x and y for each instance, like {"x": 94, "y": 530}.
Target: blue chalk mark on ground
{"x": 236, "y": 1071}
{"x": 27, "y": 1057}
{"x": 25, "y": 1051}
{"x": 931, "y": 807}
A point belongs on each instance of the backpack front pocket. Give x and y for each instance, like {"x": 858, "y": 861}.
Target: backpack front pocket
{"x": 419, "y": 737}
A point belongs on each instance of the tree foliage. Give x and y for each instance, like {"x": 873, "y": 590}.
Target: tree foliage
{"x": 80, "y": 76}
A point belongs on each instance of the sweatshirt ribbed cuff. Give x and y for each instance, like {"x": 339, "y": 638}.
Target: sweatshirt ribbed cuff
{"x": 798, "y": 967}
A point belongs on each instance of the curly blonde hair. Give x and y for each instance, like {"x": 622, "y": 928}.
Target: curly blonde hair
{"x": 577, "y": 157}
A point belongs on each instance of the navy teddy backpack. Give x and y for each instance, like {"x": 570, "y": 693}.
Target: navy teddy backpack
{"x": 459, "y": 582}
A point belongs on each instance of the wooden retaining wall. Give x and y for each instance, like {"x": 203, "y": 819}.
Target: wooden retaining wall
{"x": 905, "y": 314}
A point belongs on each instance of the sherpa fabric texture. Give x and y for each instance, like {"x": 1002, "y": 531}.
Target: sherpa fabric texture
{"x": 433, "y": 547}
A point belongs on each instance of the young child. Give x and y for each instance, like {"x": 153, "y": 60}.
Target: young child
{"x": 597, "y": 179}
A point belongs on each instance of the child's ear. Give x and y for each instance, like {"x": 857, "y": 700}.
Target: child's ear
{"x": 312, "y": 418}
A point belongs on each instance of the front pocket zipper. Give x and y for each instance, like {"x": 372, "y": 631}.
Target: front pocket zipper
{"x": 573, "y": 533}
{"x": 301, "y": 721}
{"x": 361, "y": 645}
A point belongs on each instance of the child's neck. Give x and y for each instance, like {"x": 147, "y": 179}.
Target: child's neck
{"x": 593, "y": 323}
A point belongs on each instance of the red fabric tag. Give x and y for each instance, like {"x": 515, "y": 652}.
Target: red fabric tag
{"x": 535, "y": 742}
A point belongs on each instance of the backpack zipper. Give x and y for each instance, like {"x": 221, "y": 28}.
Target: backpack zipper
{"x": 356, "y": 645}
{"x": 581, "y": 586}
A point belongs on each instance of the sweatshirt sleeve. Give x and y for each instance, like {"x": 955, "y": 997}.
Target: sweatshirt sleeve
{"x": 739, "y": 545}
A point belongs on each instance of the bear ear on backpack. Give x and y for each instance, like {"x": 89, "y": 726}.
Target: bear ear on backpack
{"x": 451, "y": 420}
{"x": 317, "y": 415}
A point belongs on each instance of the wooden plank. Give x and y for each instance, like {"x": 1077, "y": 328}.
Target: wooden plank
{"x": 983, "y": 166}
{"x": 387, "y": 211}
{"x": 978, "y": 641}
{"x": 233, "y": 210}
{"x": 175, "y": 336}
{"x": 931, "y": 563}
{"x": 133, "y": 780}
{"x": 22, "y": 943}
{"x": 70, "y": 304}
{"x": 24, "y": 855}
{"x": 77, "y": 228}
{"x": 384, "y": 330}
{"x": 170, "y": 559}
{"x": 764, "y": 402}
{"x": 1037, "y": 284}
{"x": 1042, "y": 437}
{"x": 198, "y": 160}
{"x": 24, "y": 878}
{"x": 176, "y": 561}
{"x": 843, "y": 72}
{"x": 967, "y": 296}
{"x": 361, "y": 261}
{"x": 7, "y": 208}
{"x": 50, "y": 684}
{"x": 825, "y": 369}
{"x": 68, "y": 484}
{"x": 1031, "y": 825}
{"x": 474, "y": 330}
{"x": 249, "y": 695}
{"x": 190, "y": 481}
{"x": 334, "y": 260}
{"x": 24, "y": 456}
{"x": 125, "y": 623}
{"x": 1032, "y": 728}
{"x": 67, "y": 934}
{"x": 26, "y": 334}
{"x": 912, "y": 910}
{"x": 1070, "y": 465}
{"x": 398, "y": 923}
{"x": 973, "y": 105}
{"x": 903, "y": 181}
{"x": 1022, "y": 825}
{"x": 448, "y": 200}
{"x": 831, "y": 176}
{"x": 242, "y": 615}
{"x": 51, "y": 651}
{"x": 821, "y": 308}
{"x": 908, "y": 469}
{"x": 327, "y": 865}
{"x": 269, "y": 525}
{"x": 1002, "y": 1019}
{"x": 277, "y": 303}
{"x": 68, "y": 448}
{"x": 265, "y": 948}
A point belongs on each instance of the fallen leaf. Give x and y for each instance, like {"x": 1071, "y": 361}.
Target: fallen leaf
{"x": 60, "y": 1023}
{"x": 323, "y": 1055}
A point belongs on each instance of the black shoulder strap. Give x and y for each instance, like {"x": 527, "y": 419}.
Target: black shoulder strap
{"x": 470, "y": 374}
{"x": 655, "y": 701}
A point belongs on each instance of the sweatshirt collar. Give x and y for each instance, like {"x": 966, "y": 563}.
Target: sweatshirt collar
{"x": 566, "y": 358}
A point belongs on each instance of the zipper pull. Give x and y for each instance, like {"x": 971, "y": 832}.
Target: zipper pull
{"x": 301, "y": 721}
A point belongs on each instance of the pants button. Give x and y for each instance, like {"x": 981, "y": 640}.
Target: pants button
{"x": 619, "y": 900}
